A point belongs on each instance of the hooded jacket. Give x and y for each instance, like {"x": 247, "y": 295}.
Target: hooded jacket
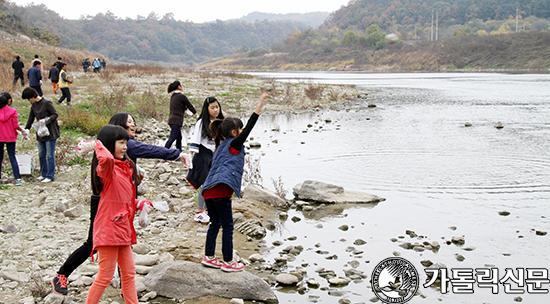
{"x": 8, "y": 124}
{"x": 114, "y": 221}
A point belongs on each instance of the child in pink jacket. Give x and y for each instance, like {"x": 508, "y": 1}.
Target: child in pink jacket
{"x": 9, "y": 125}
{"x": 113, "y": 176}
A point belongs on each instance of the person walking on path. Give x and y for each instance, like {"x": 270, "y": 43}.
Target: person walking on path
{"x": 9, "y": 125}
{"x": 35, "y": 77}
{"x": 113, "y": 177}
{"x": 59, "y": 62}
{"x": 134, "y": 151}
{"x": 179, "y": 103}
{"x": 18, "y": 66}
{"x": 224, "y": 179}
{"x": 54, "y": 78}
{"x": 36, "y": 58}
{"x": 202, "y": 148}
{"x": 64, "y": 83}
{"x": 44, "y": 112}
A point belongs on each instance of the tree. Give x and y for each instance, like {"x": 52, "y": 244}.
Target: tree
{"x": 49, "y": 38}
{"x": 243, "y": 49}
{"x": 350, "y": 38}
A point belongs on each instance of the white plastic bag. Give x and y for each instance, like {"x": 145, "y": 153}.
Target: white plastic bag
{"x": 41, "y": 129}
{"x": 144, "y": 218}
{"x": 161, "y": 206}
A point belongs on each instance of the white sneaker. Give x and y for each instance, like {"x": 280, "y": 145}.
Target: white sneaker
{"x": 201, "y": 217}
{"x": 46, "y": 180}
{"x": 40, "y": 178}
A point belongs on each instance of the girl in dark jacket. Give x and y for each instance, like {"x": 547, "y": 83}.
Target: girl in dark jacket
{"x": 178, "y": 105}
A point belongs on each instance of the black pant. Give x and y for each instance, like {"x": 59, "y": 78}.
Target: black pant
{"x": 66, "y": 94}
{"x": 38, "y": 90}
{"x": 221, "y": 215}
{"x": 175, "y": 134}
{"x": 81, "y": 254}
{"x": 19, "y": 77}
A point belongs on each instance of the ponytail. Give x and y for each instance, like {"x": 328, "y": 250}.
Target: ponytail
{"x": 221, "y": 129}
{"x": 215, "y": 129}
{"x": 173, "y": 86}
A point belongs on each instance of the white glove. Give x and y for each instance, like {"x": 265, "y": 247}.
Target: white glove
{"x": 140, "y": 170}
{"x": 187, "y": 160}
{"x": 86, "y": 146}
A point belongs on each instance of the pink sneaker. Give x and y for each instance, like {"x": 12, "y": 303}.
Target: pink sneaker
{"x": 213, "y": 262}
{"x": 233, "y": 266}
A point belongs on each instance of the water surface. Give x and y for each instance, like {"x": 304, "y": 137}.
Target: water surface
{"x": 439, "y": 177}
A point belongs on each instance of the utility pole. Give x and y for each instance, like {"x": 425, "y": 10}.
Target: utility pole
{"x": 432, "y": 29}
{"x": 517, "y": 12}
{"x": 436, "y": 26}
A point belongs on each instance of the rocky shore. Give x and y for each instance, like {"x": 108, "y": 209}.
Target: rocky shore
{"x": 41, "y": 224}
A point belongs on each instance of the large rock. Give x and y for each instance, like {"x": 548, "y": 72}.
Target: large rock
{"x": 261, "y": 194}
{"x": 327, "y": 193}
{"x": 252, "y": 228}
{"x": 184, "y": 280}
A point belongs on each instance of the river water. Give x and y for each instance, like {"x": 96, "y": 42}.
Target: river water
{"x": 440, "y": 178}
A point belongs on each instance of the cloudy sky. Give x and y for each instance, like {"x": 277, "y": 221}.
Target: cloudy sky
{"x": 196, "y": 11}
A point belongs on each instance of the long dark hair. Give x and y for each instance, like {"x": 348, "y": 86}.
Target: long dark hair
{"x": 108, "y": 135}
{"x": 221, "y": 129}
{"x": 3, "y": 103}
{"x": 121, "y": 119}
{"x": 173, "y": 86}
{"x": 205, "y": 116}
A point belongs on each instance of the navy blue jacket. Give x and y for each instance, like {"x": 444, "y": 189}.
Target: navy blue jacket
{"x": 140, "y": 150}
{"x": 34, "y": 76}
{"x": 226, "y": 168}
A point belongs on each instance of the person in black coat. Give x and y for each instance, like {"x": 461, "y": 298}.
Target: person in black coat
{"x": 54, "y": 77}
{"x": 18, "y": 66}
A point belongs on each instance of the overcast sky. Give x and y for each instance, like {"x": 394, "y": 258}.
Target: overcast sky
{"x": 196, "y": 11}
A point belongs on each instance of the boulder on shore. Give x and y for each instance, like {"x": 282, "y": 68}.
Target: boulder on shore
{"x": 185, "y": 280}
{"x": 261, "y": 194}
{"x": 327, "y": 193}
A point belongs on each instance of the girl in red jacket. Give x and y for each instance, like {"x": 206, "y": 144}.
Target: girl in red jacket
{"x": 113, "y": 175}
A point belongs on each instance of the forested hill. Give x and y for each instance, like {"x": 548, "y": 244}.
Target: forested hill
{"x": 412, "y": 19}
{"x": 158, "y": 39}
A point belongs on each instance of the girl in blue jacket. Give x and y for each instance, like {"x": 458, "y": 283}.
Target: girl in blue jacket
{"x": 224, "y": 179}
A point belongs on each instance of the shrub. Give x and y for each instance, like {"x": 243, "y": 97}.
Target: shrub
{"x": 314, "y": 92}
{"x": 83, "y": 120}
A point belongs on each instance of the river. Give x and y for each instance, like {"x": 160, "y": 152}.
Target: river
{"x": 441, "y": 178}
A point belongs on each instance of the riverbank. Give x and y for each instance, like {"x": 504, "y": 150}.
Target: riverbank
{"x": 43, "y": 223}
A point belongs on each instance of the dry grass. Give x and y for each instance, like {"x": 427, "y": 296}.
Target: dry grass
{"x": 252, "y": 173}
{"x": 279, "y": 187}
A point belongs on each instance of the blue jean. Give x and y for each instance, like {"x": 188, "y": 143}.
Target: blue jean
{"x": 46, "y": 154}
{"x": 175, "y": 135}
{"x": 10, "y": 146}
{"x": 221, "y": 215}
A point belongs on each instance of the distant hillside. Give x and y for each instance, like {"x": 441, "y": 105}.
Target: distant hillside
{"x": 517, "y": 51}
{"x": 313, "y": 19}
{"x": 158, "y": 39}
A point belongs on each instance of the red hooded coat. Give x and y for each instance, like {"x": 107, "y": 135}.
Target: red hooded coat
{"x": 114, "y": 222}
